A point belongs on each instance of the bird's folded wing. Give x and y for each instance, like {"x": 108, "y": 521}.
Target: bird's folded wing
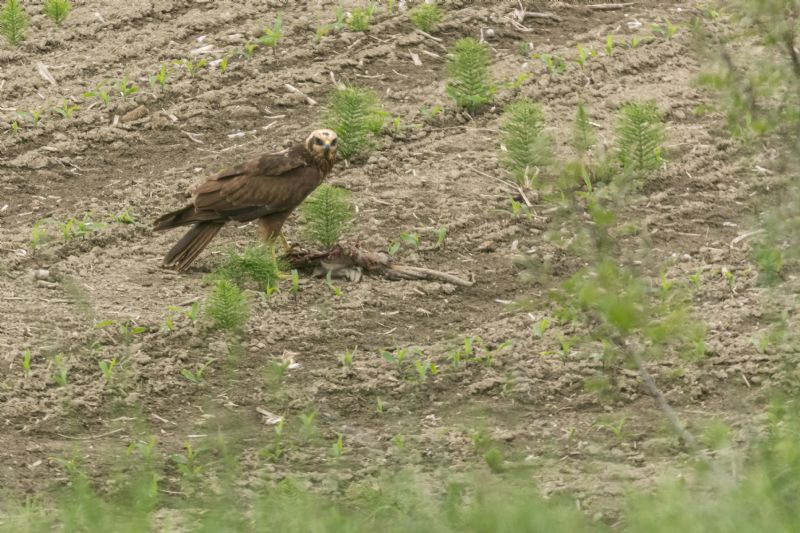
{"x": 274, "y": 181}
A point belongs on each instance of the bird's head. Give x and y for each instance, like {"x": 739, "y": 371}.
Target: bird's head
{"x": 322, "y": 144}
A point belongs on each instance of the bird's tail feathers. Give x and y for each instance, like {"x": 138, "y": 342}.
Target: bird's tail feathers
{"x": 181, "y": 217}
{"x": 189, "y": 247}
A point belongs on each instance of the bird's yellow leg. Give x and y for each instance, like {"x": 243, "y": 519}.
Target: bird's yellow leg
{"x": 284, "y": 241}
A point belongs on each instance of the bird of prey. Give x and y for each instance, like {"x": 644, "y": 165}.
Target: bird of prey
{"x": 267, "y": 188}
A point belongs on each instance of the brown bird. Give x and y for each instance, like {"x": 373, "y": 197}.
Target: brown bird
{"x": 267, "y": 188}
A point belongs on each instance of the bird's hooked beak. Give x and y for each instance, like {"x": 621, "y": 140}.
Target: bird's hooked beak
{"x": 326, "y": 148}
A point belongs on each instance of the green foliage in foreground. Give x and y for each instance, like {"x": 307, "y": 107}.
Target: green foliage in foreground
{"x": 254, "y": 263}
{"x": 759, "y": 493}
{"x": 326, "y": 214}
{"x": 13, "y": 21}
{"x": 469, "y": 81}
{"x": 356, "y": 115}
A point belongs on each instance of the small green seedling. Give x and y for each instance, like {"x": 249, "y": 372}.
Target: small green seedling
{"x": 187, "y": 464}
{"x": 223, "y": 65}
{"x": 609, "y": 45}
{"x": 553, "y": 64}
{"x": 295, "y": 282}
{"x": 107, "y": 368}
{"x": 38, "y": 232}
{"x": 308, "y": 422}
{"x": 126, "y": 88}
{"x": 99, "y": 93}
{"x": 194, "y": 67}
{"x": 380, "y": 405}
{"x": 321, "y": 31}
{"x": 13, "y": 22}
{"x": 66, "y": 110}
{"x": 57, "y": 10}
{"x": 584, "y": 55}
{"x": 441, "y": 237}
{"x": 340, "y": 16}
{"x": 346, "y": 359}
{"x": 360, "y": 17}
{"x": 337, "y": 449}
{"x": 540, "y": 328}
{"x": 696, "y": 279}
{"x": 61, "y": 370}
{"x": 424, "y": 368}
{"x": 250, "y": 48}
{"x": 33, "y": 116}
{"x": 393, "y": 249}
{"x": 26, "y": 363}
{"x": 123, "y": 217}
{"x": 272, "y": 35}
{"x": 14, "y": 126}
{"x": 197, "y": 375}
{"x": 668, "y": 30}
{"x": 410, "y": 239}
{"x": 161, "y": 77}
{"x": 635, "y": 41}
{"x": 426, "y": 16}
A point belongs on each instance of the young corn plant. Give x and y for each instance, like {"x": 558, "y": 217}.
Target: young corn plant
{"x": 66, "y": 110}
{"x": 527, "y": 148}
{"x": 13, "y": 22}
{"x": 583, "y": 136}
{"x": 609, "y": 45}
{"x": 33, "y": 116}
{"x": 426, "y": 16}
{"x": 193, "y": 67}
{"x": 553, "y": 64}
{"x": 469, "y": 81}
{"x": 227, "y": 307}
{"x": 357, "y": 116}
{"x": 272, "y": 36}
{"x": 26, "y": 363}
{"x": 639, "y": 135}
{"x": 160, "y": 78}
{"x": 126, "y": 88}
{"x": 99, "y": 93}
{"x": 255, "y": 263}
{"x": 57, "y": 10}
{"x": 326, "y": 215}
{"x": 107, "y": 368}
{"x": 61, "y": 371}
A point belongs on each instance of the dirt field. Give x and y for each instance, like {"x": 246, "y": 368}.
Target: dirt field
{"x": 531, "y": 401}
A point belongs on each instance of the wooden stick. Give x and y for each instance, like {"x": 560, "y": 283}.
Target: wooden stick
{"x": 293, "y": 89}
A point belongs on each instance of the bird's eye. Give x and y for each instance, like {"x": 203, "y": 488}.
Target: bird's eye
{"x": 318, "y": 141}
{"x": 333, "y": 142}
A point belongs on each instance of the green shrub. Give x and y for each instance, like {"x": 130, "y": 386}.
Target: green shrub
{"x": 326, "y": 214}
{"x": 639, "y": 136}
{"x": 426, "y": 16}
{"x": 357, "y": 116}
{"x": 57, "y": 10}
{"x": 469, "y": 82}
{"x": 256, "y": 263}
{"x": 527, "y": 147}
{"x": 227, "y": 306}
{"x": 13, "y": 21}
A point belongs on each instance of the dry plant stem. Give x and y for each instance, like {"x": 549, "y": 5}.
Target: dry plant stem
{"x": 522, "y": 15}
{"x": 606, "y": 7}
{"x": 371, "y": 262}
{"x": 652, "y": 388}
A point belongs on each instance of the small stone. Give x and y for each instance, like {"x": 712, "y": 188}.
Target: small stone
{"x": 41, "y": 273}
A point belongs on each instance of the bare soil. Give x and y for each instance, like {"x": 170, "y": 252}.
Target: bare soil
{"x": 436, "y": 171}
